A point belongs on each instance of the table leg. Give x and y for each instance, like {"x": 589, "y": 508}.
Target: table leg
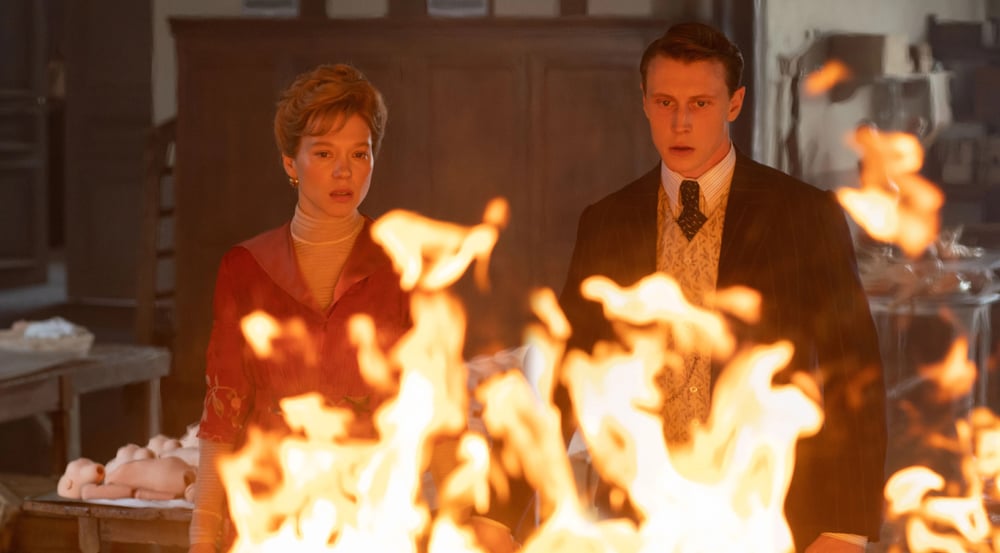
{"x": 66, "y": 427}
{"x": 59, "y": 446}
{"x": 155, "y": 408}
{"x": 147, "y": 403}
{"x": 89, "y": 534}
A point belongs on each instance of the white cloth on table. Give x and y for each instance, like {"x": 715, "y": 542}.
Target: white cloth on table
{"x": 50, "y": 335}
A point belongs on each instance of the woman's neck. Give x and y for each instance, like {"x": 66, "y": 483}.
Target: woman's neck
{"x": 324, "y": 230}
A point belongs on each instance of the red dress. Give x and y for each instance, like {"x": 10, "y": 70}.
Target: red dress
{"x": 262, "y": 274}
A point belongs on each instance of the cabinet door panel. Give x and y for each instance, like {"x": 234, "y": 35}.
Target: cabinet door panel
{"x": 108, "y": 115}
{"x": 595, "y": 140}
{"x": 23, "y": 145}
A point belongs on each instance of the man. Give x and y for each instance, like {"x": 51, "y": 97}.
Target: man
{"x": 712, "y": 218}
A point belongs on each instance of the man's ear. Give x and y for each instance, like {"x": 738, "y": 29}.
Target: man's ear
{"x": 642, "y": 97}
{"x": 736, "y": 103}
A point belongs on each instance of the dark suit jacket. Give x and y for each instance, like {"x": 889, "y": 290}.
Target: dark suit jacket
{"x": 790, "y": 242}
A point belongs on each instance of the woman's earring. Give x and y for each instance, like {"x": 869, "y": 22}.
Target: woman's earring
{"x": 294, "y": 182}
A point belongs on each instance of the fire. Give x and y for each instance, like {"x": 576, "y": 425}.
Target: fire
{"x": 925, "y": 510}
{"x": 262, "y": 330}
{"x": 325, "y": 492}
{"x": 658, "y": 298}
{"x": 824, "y": 78}
{"x": 329, "y": 493}
{"x": 724, "y": 491}
{"x": 433, "y": 254}
{"x": 920, "y": 502}
{"x": 319, "y": 490}
{"x": 895, "y": 204}
{"x": 955, "y": 375}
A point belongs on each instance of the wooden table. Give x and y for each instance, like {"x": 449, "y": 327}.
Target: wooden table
{"x": 97, "y": 523}
{"x": 54, "y": 386}
{"x": 13, "y": 489}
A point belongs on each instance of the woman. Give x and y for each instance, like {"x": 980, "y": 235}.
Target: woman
{"x": 320, "y": 268}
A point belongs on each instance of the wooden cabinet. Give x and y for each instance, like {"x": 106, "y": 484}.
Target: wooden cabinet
{"x": 108, "y": 113}
{"x": 546, "y": 113}
{"x": 23, "y": 145}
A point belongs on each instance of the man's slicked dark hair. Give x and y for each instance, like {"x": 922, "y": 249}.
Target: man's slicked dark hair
{"x": 691, "y": 42}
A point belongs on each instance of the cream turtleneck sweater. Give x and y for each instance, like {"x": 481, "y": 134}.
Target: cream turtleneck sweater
{"x": 321, "y": 248}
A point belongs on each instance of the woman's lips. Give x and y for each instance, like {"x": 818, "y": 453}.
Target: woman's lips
{"x": 341, "y": 195}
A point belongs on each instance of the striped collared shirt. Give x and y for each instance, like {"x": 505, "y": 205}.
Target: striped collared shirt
{"x": 713, "y": 183}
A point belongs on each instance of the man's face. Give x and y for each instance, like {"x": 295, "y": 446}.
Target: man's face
{"x": 689, "y": 110}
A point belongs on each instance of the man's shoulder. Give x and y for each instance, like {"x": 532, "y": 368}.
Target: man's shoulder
{"x": 753, "y": 174}
{"x": 626, "y": 196}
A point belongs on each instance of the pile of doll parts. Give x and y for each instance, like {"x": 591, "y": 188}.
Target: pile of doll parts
{"x": 164, "y": 469}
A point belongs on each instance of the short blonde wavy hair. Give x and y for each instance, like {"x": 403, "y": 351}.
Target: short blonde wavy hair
{"x": 326, "y": 96}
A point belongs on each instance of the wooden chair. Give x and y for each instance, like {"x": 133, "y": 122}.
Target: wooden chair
{"x": 155, "y": 282}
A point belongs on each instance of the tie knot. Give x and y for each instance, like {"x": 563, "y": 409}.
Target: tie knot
{"x": 689, "y": 194}
{"x": 691, "y": 218}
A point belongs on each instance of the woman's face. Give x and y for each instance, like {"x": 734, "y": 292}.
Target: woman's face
{"x": 334, "y": 170}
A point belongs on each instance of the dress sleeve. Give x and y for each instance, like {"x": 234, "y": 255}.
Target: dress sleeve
{"x": 229, "y": 389}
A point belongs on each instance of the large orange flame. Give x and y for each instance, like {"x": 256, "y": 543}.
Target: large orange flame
{"x": 826, "y": 77}
{"x": 895, "y": 204}
{"x": 320, "y": 491}
{"x": 932, "y": 516}
{"x": 898, "y": 206}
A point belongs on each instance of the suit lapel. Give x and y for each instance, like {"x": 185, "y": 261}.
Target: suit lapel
{"x": 741, "y": 230}
{"x": 748, "y": 196}
{"x": 640, "y": 233}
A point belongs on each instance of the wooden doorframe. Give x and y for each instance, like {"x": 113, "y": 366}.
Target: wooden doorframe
{"x": 740, "y": 20}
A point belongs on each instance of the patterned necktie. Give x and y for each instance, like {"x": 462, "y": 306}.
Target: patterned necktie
{"x": 691, "y": 218}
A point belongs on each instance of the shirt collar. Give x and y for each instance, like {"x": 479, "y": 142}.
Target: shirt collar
{"x": 713, "y": 183}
